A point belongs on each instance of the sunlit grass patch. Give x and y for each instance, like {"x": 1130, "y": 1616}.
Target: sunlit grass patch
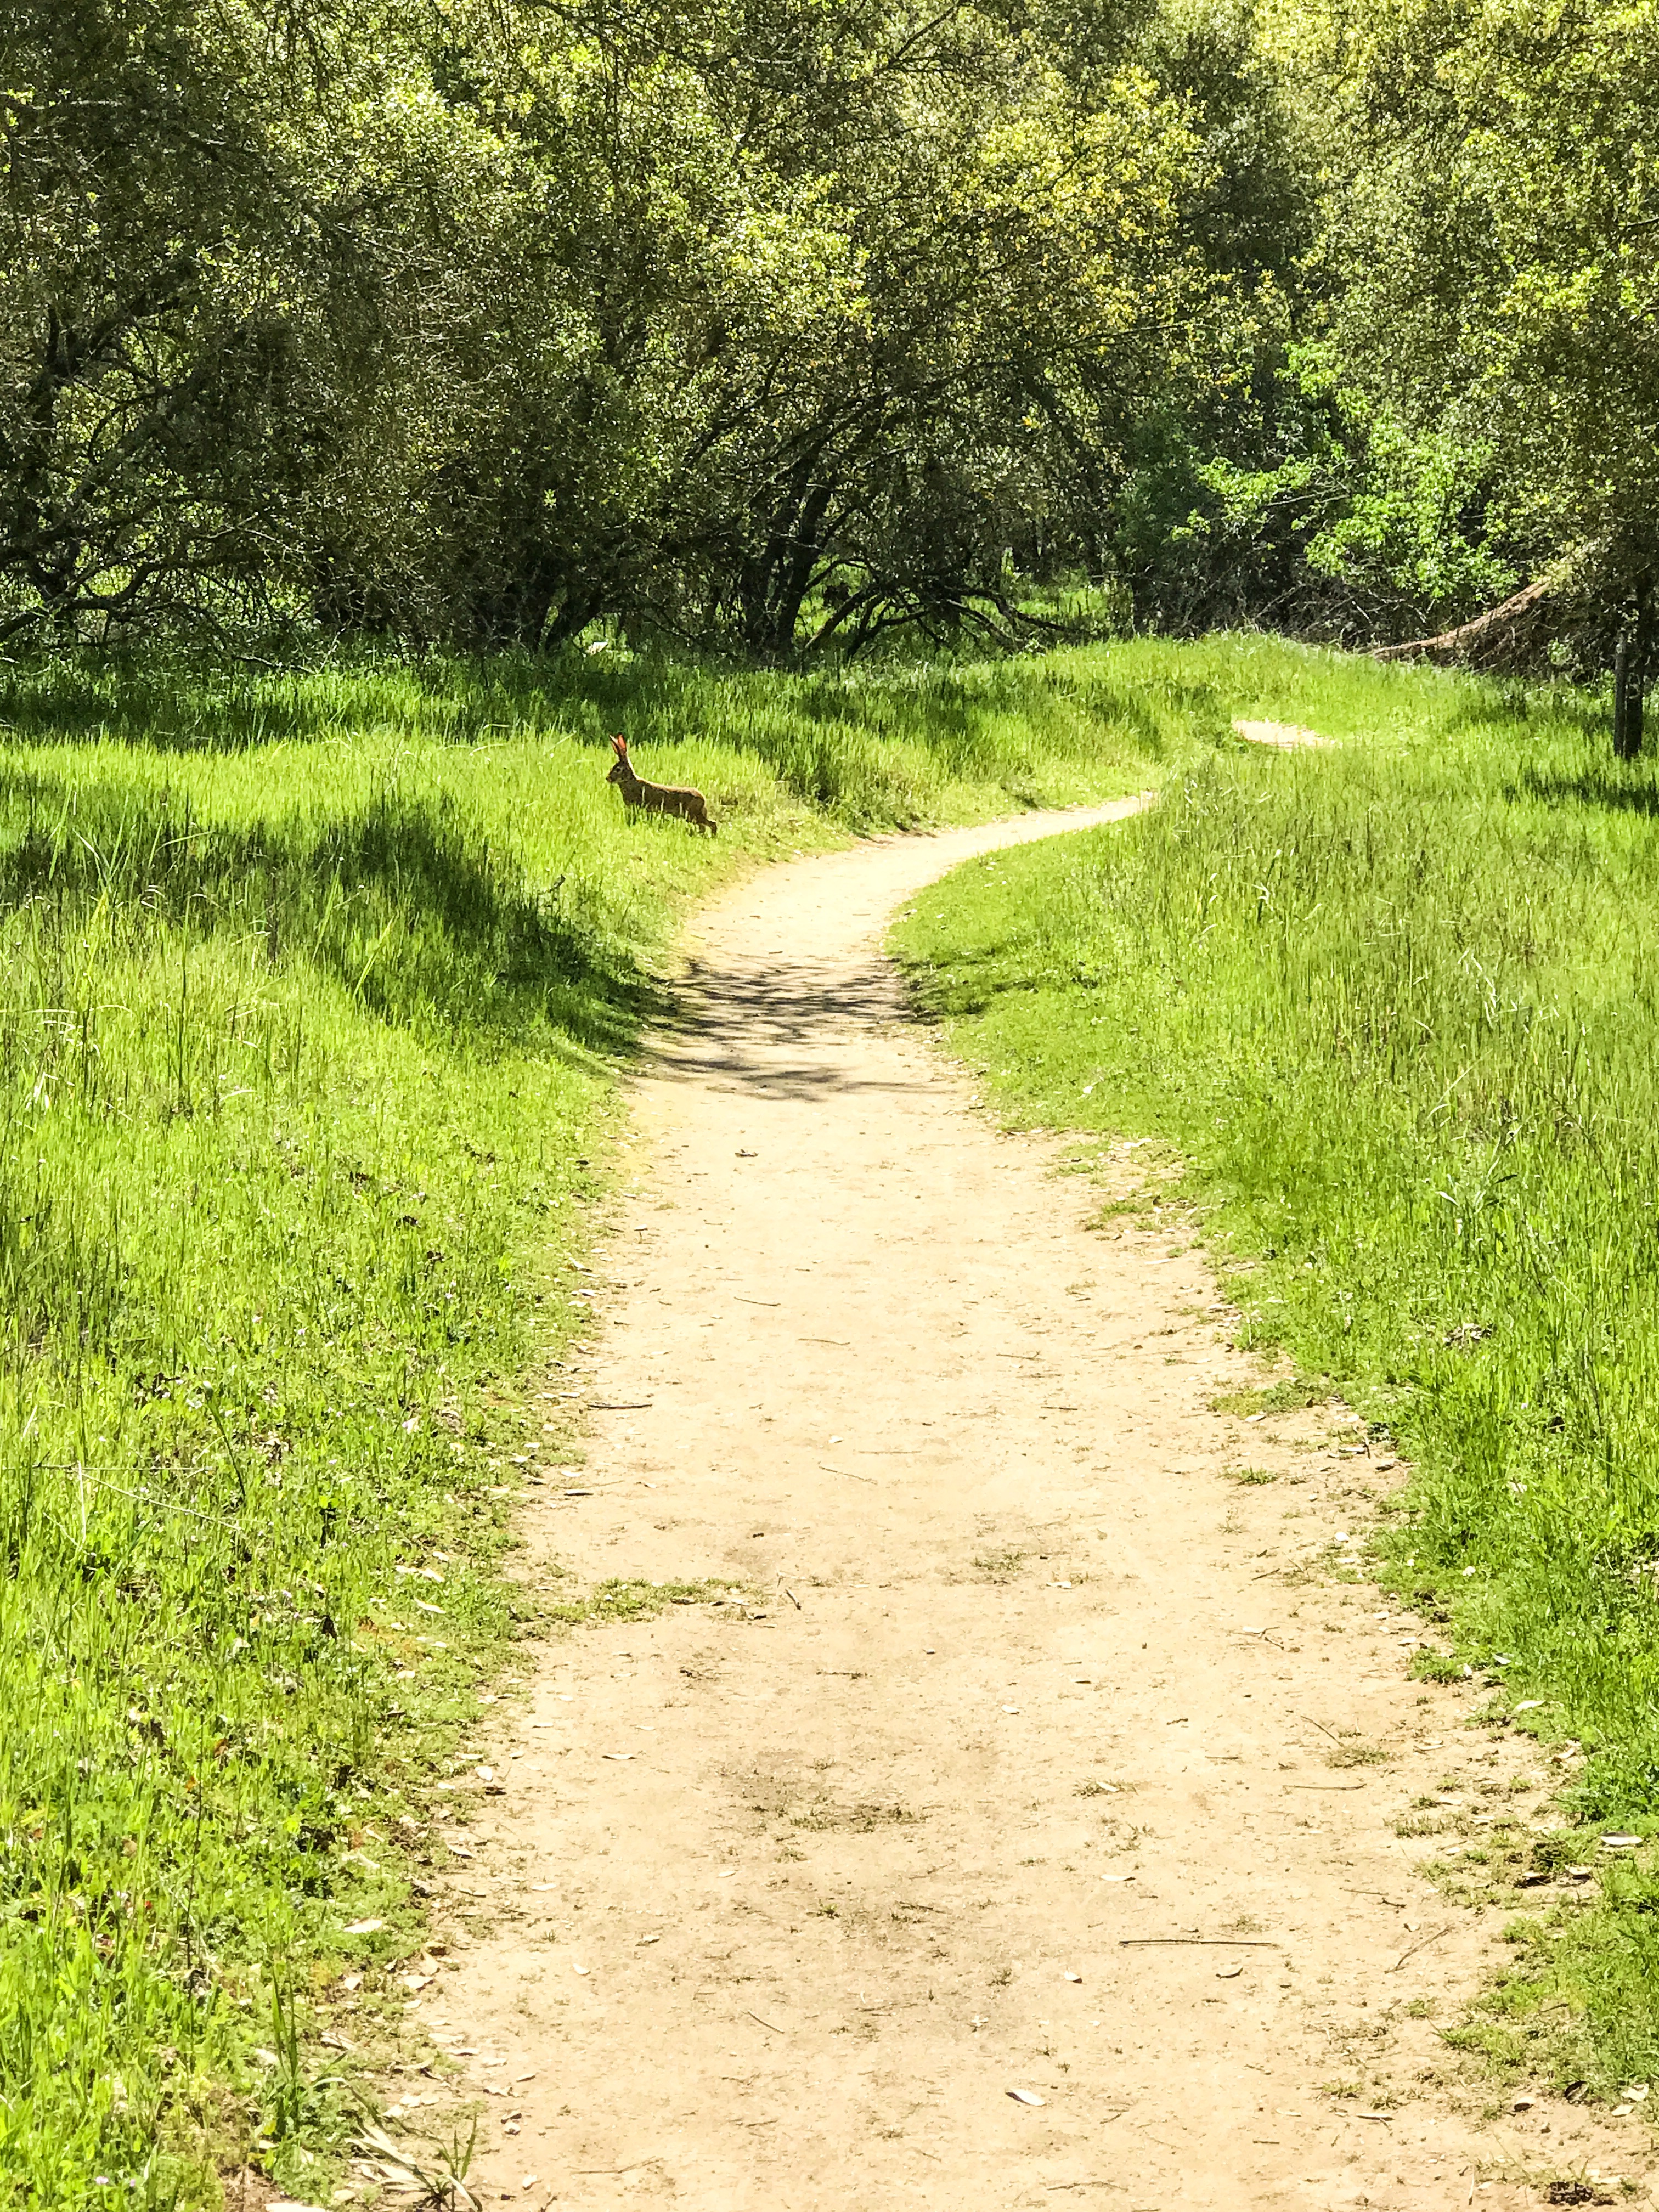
{"x": 1289, "y": 1397}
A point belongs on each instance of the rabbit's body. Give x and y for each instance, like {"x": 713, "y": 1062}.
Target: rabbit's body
{"x": 687, "y": 805}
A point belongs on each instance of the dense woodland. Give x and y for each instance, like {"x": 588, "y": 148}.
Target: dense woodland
{"x": 778, "y": 325}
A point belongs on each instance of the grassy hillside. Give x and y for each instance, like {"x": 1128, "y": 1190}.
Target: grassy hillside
{"x": 312, "y": 992}
{"x": 1397, "y": 1005}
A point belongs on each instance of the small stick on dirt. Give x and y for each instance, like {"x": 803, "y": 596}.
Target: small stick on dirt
{"x": 845, "y": 1342}
{"x": 1324, "y": 1785}
{"x": 789, "y": 1594}
{"x": 1212, "y": 1943}
{"x": 743, "y": 1301}
{"x": 1312, "y": 1722}
{"x": 846, "y": 1471}
{"x": 767, "y": 2023}
{"x": 1423, "y": 1945}
{"x": 620, "y": 1405}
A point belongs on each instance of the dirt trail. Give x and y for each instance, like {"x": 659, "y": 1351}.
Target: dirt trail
{"x": 1286, "y": 737}
{"x": 785, "y": 1901}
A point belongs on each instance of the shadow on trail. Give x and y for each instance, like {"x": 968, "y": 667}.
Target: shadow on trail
{"x": 730, "y": 1024}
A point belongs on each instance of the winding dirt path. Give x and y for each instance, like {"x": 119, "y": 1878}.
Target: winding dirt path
{"x": 883, "y": 1889}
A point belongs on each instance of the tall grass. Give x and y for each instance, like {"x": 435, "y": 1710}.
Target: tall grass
{"x": 312, "y": 990}
{"x": 1397, "y": 1005}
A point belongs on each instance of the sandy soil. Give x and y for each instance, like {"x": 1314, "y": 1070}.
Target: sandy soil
{"x": 1287, "y": 737}
{"x": 1026, "y": 1836}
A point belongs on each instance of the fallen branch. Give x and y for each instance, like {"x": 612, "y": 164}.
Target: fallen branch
{"x": 1490, "y": 635}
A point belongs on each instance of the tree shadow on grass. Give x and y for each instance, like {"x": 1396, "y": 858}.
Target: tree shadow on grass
{"x": 1634, "y": 790}
{"x": 399, "y": 900}
{"x": 194, "y": 704}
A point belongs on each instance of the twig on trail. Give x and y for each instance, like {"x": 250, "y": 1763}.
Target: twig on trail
{"x": 845, "y": 1342}
{"x": 1312, "y": 1722}
{"x": 1212, "y": 1943}
{"x": 743, "y": 1301}
{"x": 1423, "y": 1945}
{"x": 1395, "y": 1903}
{"x": 789, "y": 1594}
{"x": 619, "y": 1405}
{"x": 766, "y": 2023}
{"x": 846, "y": 1471}
{"x": 1324, "y": 1785}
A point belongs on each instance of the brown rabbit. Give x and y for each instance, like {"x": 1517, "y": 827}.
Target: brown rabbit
{"x": 657, "y": 798}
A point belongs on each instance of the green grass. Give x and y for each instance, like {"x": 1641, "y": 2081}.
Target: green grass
{"x": 1397, "y": 1007}
{"x": 1288, "y": 1397}
{"x": 313, "y": 987}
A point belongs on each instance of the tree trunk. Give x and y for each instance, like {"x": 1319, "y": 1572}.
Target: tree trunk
{"x": 791, "y": 581}
{"x": 1629, "y": 674}
{"x": 580, "y": 608}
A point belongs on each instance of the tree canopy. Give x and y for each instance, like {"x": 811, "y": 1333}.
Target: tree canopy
{"x": 776, "y": 323}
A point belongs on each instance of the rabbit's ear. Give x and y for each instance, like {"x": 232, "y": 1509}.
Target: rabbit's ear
{"x": 619, "y": 746}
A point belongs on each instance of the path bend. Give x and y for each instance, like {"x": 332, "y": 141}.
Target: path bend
{"x": 789, "y": 1901}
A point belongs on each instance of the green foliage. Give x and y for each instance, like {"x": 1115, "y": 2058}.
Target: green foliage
{"x": 1488, "y": 263}
{"x": 496, "y": 321}
{"x": 1394, "y": 1005}
{"x": 789, "y": 329}
{"x": 188, "y": 306}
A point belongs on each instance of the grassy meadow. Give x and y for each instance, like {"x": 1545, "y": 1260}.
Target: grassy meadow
{"x": 313, "y": 988}
{"x": 1397, "y": 1007}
